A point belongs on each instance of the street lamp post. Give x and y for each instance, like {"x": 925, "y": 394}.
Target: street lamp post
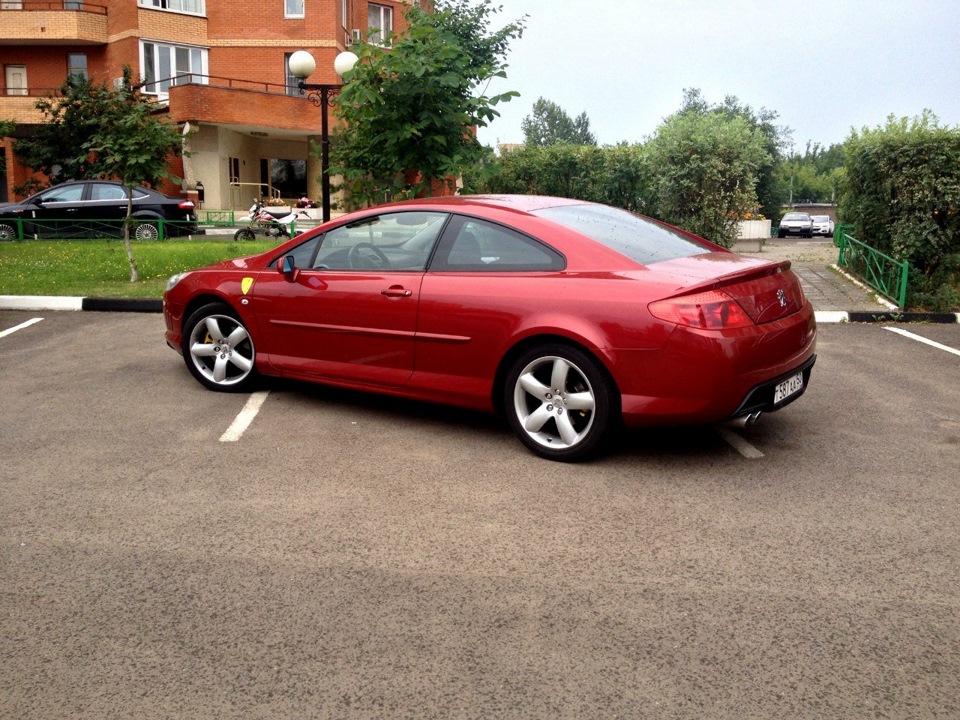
{"x": 302, "y": 65}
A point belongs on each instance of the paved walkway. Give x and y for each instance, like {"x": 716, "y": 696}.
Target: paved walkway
{"x": 826, "y": 289}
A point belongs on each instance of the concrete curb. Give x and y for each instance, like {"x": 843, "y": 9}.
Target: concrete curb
{"x": 150, "y": 305}
{"x": 859, "y": 316}
{"x": 41, "y": 302}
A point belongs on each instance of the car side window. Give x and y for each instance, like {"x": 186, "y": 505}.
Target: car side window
{"x": 391, "y": 241}
{"x": 471, "y": 245}
{"x": 68, "y": 193}
{"x": 105, "y": 191}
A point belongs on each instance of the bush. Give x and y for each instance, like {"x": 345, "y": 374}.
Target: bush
{"x": 903, "y": 195}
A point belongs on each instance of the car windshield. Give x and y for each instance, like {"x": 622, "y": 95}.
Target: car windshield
{"x": 796, "y": 216}
{"x": 638, "y": 238}
{"x": 821, "y": 218}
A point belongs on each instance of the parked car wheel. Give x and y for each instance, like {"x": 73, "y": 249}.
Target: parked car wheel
{"x": 781, "y": 234}
{"x": 145, "y": 231}
{"x": 7, "y": 231}
{"x": 244, "y": 234}
{"x": 218, "y": 349}
{"x": 558, "y": 402}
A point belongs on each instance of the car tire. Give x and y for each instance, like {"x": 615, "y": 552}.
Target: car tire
{"x": 145, "y": 231}
{"x": 559, "y": 401}
{"x": 781, "y": 234}
{"x": 7, "y": 231}
{"x": 218, "y": 349}
{"x": 244, "y": 234}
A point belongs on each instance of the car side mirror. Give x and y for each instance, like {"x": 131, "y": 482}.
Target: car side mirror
{"x": 288, "y": 268}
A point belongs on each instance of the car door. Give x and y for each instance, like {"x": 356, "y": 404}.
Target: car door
{"x": 349, "y": 311}
{"x": 481, "y": 280}
{"x": 56, "y": 212}
{"x": 104, "y": 209}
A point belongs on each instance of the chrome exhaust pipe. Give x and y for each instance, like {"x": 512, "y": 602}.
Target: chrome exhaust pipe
{"x": 745, "y": 421}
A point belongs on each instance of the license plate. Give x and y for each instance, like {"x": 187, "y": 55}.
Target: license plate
{"x": 788, "y": 387}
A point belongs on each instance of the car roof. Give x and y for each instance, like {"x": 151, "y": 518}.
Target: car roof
{"x": 520, "y": 203}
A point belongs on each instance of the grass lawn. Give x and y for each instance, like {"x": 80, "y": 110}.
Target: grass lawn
{"x": 99, "y": 268}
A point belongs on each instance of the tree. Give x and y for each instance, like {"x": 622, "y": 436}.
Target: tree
{"x": 705, "y": 167}
{"x": 97, "y": 132}
{"x": 771, "y": 194}
{"x": 6, "y": 129}
{"x": 410, "y": 108}
{"x": 549, "y": 124}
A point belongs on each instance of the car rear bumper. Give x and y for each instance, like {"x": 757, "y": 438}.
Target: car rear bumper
{"x": 704, "y": 377}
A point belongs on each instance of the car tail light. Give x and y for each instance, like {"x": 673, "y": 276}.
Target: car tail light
{"x": 711, "y": 310}
{"x": 186, "y": 205}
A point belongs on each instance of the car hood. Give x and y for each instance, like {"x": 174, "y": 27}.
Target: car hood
{"x": 10, "y": 207}
{"x": 241, "y": 263}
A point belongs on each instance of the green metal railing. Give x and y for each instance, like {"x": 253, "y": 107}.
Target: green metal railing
{"x": 881, "y": 272}
{"x": 72, "y": 228}
{"x": 212, "y": 224}
{"x": 839, "y": 231}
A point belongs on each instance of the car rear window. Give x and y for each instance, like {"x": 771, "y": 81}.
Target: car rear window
{"x": 640, "y": 239}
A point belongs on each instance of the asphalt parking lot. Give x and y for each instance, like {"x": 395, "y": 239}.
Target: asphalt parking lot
{"x": 347, "y": 556}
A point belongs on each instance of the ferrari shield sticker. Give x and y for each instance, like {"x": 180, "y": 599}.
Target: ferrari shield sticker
{"x": 246, "y": 284}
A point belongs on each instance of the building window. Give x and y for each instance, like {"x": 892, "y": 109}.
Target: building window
{"x": 293, "y": 8}
{"x": 16, "y": 78}
{"x": 77, "y": 64}
{"x": 379, "y": 23}
{"x": 165, "y": 65}
{"x": 192, "y": 7}
{"x": 292, "y": 81}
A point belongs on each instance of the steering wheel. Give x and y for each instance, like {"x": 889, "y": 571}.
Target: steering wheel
{"x": 367, "y": 255}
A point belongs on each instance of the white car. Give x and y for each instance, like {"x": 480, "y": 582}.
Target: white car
{"x": 822, "y": 225}
{"x": 795, "y": 223}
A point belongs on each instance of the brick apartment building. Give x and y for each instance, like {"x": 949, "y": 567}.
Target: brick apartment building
{"x": 219, "y": 65}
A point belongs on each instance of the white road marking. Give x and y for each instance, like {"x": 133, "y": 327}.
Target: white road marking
{"x": 924, "y": 340}
{"x": 21, "y": 326}
{"x": 245, "y": 417}
{"x": 738, "y": 443}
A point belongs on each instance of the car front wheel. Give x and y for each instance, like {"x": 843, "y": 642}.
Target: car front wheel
{"x": 559, "y": 402}
{"x": 7, "y": 231}
{"x": 218, "y": 349}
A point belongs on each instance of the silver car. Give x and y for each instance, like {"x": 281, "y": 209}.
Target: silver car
{"x": 796, "y": 223}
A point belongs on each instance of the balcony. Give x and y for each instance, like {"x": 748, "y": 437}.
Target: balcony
{"x": 251, "y": 107}
{"x": 22, "y": 109}
{"x": 68, "y": 22}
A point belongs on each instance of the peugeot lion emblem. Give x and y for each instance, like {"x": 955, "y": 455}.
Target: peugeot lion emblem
{"x": 781, "y": 296}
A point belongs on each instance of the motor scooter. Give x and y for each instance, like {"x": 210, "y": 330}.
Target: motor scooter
{"x": 261, "y": 222}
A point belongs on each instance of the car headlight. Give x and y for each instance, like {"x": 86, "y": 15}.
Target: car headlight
{"x": 174, "y": 279}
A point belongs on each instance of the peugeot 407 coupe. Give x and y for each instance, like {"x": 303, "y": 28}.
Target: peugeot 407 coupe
{"x": 569, "y": 318}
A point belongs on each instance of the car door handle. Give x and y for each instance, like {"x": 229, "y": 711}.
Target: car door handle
{"x": 396, "y": 291}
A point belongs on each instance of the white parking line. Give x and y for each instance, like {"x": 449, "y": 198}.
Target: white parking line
{"x": 738, "y": 443}
{"x": 245, "y": 417}
{"x": 924, "y": 340}
{"x": 21, "y": 326}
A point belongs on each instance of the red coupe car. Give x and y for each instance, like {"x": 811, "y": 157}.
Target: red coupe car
{"x": 569, "y": 317}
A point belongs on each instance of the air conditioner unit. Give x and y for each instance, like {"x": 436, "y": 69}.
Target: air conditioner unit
{"x": 357, "y": 35}
{"x": 118, "y": 83}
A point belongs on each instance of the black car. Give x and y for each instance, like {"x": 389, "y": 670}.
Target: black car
{"x": 96, "y": 208}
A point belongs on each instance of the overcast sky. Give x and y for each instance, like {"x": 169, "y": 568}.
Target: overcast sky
{"x": 823, "y": 65}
